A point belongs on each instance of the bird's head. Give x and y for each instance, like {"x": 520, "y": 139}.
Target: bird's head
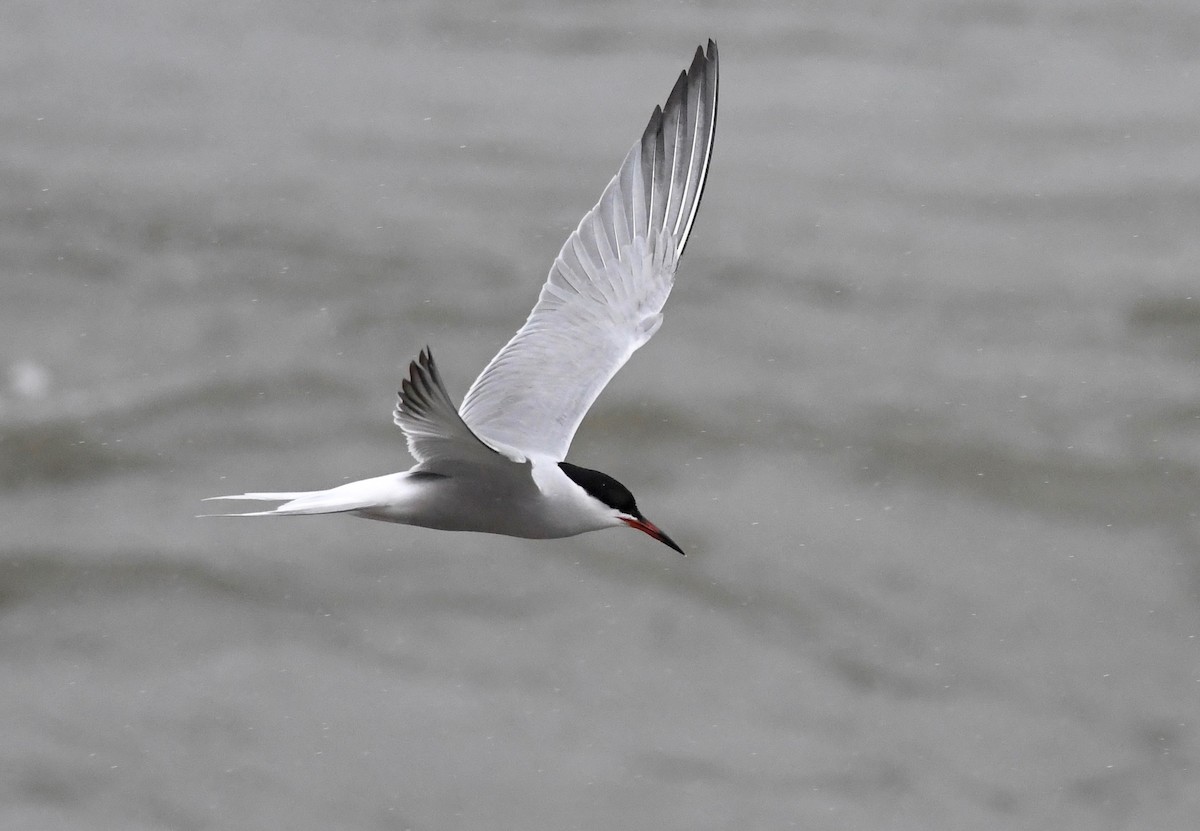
{"x": 616, "y": 498}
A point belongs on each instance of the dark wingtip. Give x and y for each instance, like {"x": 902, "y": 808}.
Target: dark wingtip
{"x": 413, "y": 392}
{"x": 704, "y": 56}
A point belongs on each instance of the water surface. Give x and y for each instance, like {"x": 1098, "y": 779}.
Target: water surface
{"x": 925, "y": 413}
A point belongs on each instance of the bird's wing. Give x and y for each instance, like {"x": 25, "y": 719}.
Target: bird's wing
{"x": 437, "y": 435}
{"x": 606, "y": 289}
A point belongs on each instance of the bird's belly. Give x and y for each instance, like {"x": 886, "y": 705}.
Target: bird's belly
{"x": 454, "y": 505}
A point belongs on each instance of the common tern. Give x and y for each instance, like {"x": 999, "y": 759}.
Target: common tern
{"x": 497, "y": 463}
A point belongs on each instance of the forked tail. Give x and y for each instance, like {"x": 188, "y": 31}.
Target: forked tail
{"x": 294, "y": 504}
{"x": 353, "y": 496}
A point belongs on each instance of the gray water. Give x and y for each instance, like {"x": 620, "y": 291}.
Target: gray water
{"x": 925, "y": 413}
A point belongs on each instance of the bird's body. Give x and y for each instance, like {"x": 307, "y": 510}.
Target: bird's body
{"x": 496, "y": 464}
{"x": 532, "y": 500}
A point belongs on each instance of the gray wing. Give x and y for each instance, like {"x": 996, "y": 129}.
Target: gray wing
{"x": 607, "y": 287}
{"x": 436, "y": 433}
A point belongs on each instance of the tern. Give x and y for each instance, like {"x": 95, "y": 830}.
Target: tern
{"x": 497, "y": 463}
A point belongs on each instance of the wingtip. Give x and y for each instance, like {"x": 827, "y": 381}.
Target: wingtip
{"x": 704, "y": 55}
{"x": 424, "y": 356}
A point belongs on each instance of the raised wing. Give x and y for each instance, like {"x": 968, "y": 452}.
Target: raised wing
{"x": 607, "y": 287}
{"x": 437, "y": 435}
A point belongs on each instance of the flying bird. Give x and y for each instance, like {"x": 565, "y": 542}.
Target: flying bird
{"x": 497, "y": 463}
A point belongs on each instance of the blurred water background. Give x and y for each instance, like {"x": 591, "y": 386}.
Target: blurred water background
{"x": 925, "y": 413}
